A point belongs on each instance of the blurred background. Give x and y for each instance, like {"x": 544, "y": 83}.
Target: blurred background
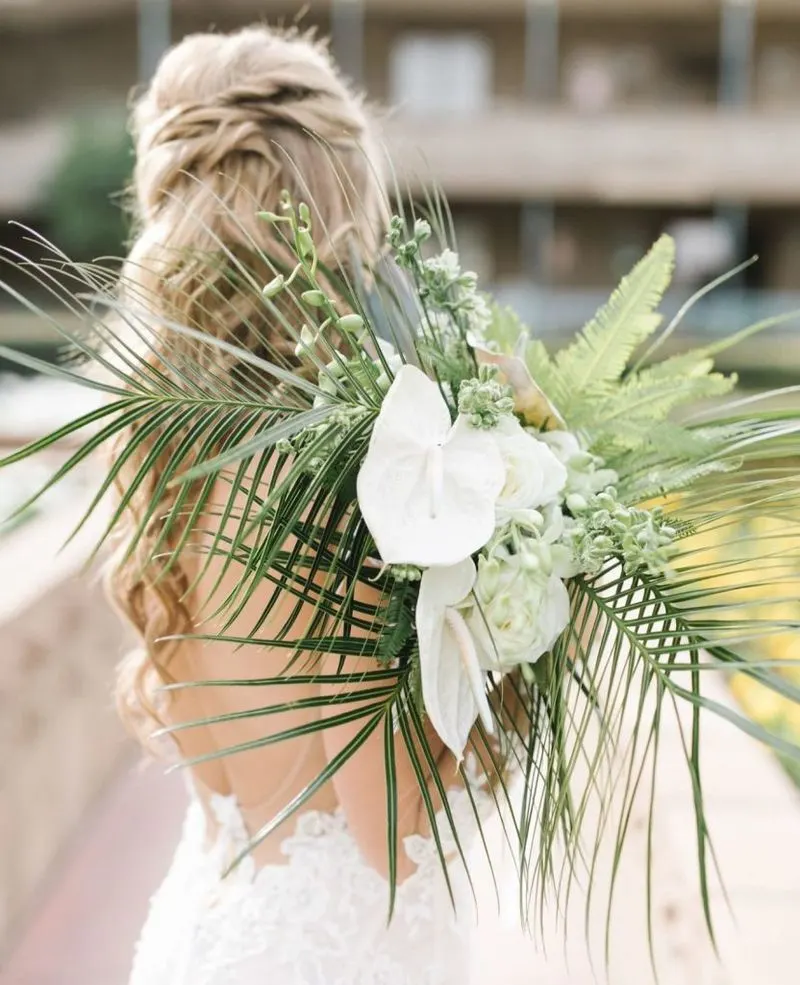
{"x": 566, "y": 134}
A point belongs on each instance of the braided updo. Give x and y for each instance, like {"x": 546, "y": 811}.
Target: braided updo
{"x": 228, "y": 122}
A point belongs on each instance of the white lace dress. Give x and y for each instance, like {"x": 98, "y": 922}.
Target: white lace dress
{"x": 320, "y": 919}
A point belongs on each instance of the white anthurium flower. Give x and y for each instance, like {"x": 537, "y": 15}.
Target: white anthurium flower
{"x": 522, "y": 605}
{"x": 427, "y": 488}
{"x": 534, "y": 476}
{"x": 453, "y": 684}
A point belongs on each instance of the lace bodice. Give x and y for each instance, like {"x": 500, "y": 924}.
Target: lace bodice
{"x": 320, "y": 919}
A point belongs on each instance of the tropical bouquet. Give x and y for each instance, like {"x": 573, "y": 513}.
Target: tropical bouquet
{"x": 529, "y": 520}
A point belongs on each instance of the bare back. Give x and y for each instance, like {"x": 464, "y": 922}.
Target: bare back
{"x": 264, "y": 777}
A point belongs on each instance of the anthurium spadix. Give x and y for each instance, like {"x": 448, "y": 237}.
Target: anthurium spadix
{"x": 453, "y": 684}
{"x": 427, "y": 488}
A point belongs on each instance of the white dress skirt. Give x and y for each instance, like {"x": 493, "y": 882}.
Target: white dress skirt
{"x": 319, "y": 919}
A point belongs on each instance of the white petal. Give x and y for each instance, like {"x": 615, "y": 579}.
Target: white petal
{"x": 449, "y": 672}
{"x": 470, "y": 664}
{"x": 564, "y": 564}
{"x": 442, "y": 588}
{"x": 563, "y": 444}
{"x": 555, "y": 474}
{"x": 555, "y": 612}
{"x": 413, "y": 411}
{"x": 426, "y": 491}
{"x": 534, "y": 475}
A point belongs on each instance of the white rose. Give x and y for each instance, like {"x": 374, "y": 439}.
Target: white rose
{"x": 521, "y": 609}
{"x": 534, "y": 476}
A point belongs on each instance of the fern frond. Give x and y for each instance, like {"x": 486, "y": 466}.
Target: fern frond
{"x": 631, "y": 417}
{"x": 511, "y": 337}
{"x": 601, "y": 352}
{"x": 669, "y": 479}
{"x": 507, "y": 331}
{"x": 542, "y": 368}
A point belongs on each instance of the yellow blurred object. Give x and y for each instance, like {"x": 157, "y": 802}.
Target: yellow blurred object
{"x": 777, "y": 578}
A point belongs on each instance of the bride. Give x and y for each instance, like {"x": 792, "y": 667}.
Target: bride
{"x": 350, "y": 561}
{"x": 319, "y": 850}
{"x": 227, "y": 123}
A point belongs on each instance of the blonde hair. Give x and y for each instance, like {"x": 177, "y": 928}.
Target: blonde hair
{"x": 228, "y": 122}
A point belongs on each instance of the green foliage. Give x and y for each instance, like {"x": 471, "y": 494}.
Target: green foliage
{"x": 589, "y": 367}
{"x": 623, "y": 411}
{"x": 398, "y": 622}
{"x": 84, "y": 201}
{"x": 634, "y": 653}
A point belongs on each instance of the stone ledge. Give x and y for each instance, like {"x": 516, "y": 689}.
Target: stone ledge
{"x": 59, "y": 643}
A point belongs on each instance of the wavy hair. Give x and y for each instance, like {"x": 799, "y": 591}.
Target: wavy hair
{"x": 228, "y": 122}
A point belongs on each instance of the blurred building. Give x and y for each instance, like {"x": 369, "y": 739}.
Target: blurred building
{"x": 566, "y": 135}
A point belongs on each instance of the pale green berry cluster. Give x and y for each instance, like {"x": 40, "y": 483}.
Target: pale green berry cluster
{"x": 604, "y": 527}
{"x": 340, "y": 420}
{"x": 405, "y": 572}
{"x": 484, "y": 401}
{"x": 443, "y": 286}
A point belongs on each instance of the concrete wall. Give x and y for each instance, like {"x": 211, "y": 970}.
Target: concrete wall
{"x": 60, "y": 741}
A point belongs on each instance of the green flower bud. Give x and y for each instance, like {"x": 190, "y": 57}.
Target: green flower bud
{"x": 351, "y": 323}
{"x": 532, "y": 518}
{"x": 275, "y": 286}
{"x": 576, "y": 503}
{"x": 327, "y": 385}
{"x": 491, "y": 570}
{"x": 396, "y": 231}
{"x": 315, "y": 299}
{"x": 606, "y": 501}
{"x": 582, "y": 461}
{"x": 530, "y": 562}
{"x": 484, "y": 402}
{"x": 422, "y": 230}
{"x": 405, "y": 572}
{"x": 307, "y": 339}
{"x": 305, "y": 243}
